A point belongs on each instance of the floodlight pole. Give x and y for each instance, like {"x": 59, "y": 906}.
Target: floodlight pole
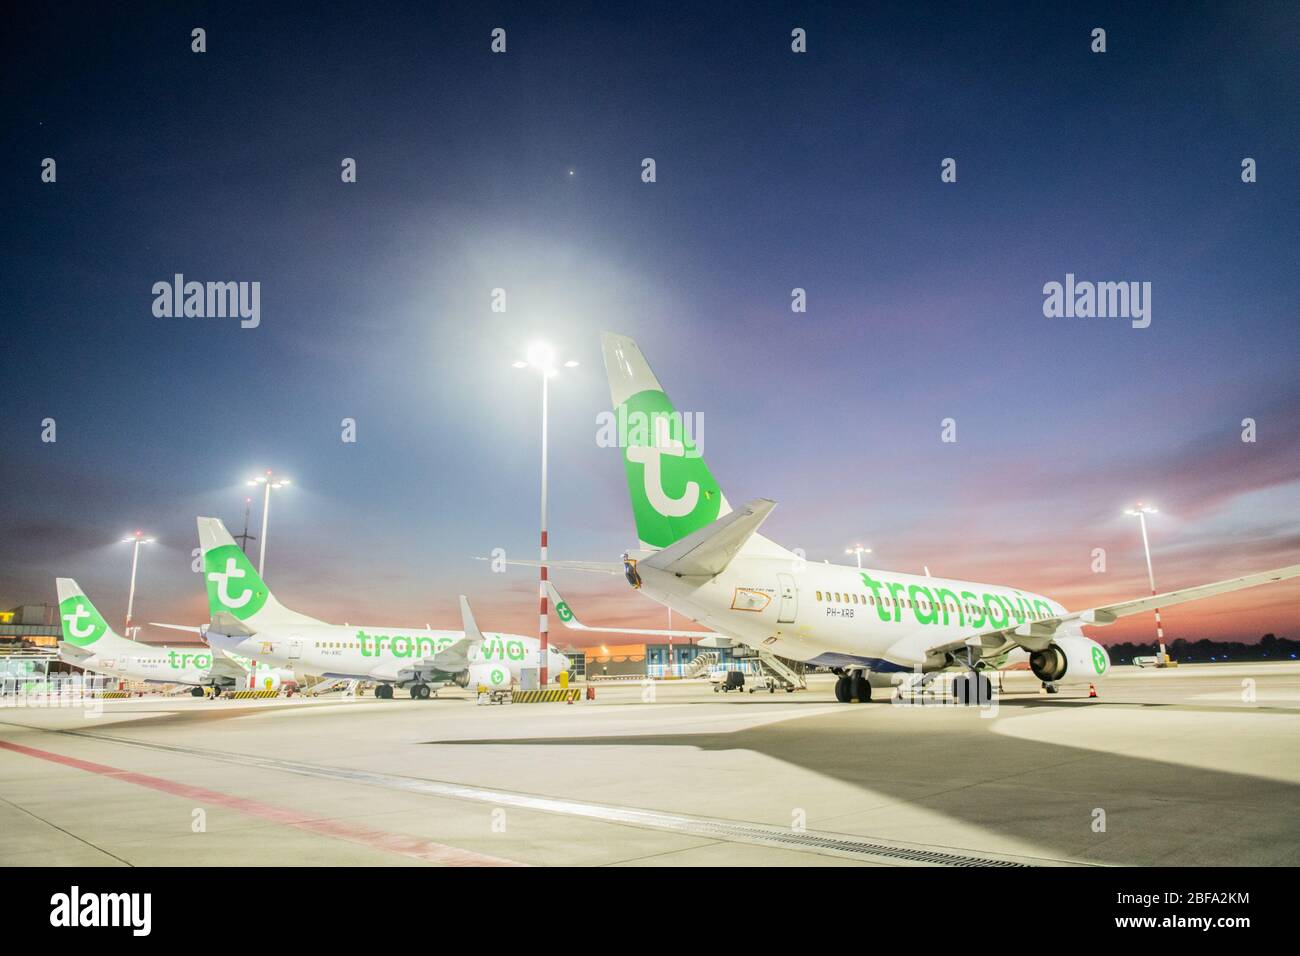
{"x": 542, "y": 358}
{"x": 543, "y": 635}
{"x": 266, "y": 512}
{"x": 1151, "y": 579}
{"x": 130, "y": 598}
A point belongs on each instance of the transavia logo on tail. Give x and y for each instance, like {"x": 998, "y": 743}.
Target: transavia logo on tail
{"x": 672, "y": 491}
{"x": 233, "y": 585}
{"x": 1099, "y": 660}
{"x": 562, "y": 610}
{"x": 82, "y": 624}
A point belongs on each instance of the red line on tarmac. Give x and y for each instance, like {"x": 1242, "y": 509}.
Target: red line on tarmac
{"x": 351, "y": 832}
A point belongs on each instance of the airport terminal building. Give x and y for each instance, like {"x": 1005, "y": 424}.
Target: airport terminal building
{"x": 29, "y": 644}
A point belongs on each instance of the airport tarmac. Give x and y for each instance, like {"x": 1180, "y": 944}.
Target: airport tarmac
{"x": 1198, "y": 765}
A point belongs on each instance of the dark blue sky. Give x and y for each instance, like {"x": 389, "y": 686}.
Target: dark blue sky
{"x": 775, "y": 170}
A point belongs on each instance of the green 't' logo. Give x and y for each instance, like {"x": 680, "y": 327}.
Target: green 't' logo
{"x": 673, "y": 493}
{"x": 562, "y": 610}
{"x": 1099, "y": 660}
{"x": 233, "y": 585}
{"x": 498, "y": 676}
{"x": 82, "y": 624}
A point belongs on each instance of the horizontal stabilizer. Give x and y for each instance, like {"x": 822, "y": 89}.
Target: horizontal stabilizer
{"x": 226, "y": 623}
{"x": 188, "y": 628}
{"x": 600, "y": 567}
{"x": 708, "y": 551}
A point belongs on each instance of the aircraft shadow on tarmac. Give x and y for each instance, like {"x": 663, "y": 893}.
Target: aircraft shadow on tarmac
{"x": 1028, "y": 790}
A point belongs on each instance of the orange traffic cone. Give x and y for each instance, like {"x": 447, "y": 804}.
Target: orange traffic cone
{"x": 1092, "y": 691}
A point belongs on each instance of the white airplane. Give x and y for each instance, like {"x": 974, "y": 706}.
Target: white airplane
{"x": 248, "y": 620}
{"x": 708, "y": 562}
{"x": 89, "y": 643}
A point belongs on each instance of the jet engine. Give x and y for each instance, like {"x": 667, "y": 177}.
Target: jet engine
{"x": 266, "y": 678}
{"x": 493, "y": 676}
{"x": 1070, "y": 660}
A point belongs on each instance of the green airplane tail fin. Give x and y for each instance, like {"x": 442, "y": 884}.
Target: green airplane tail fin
{"x": 81, "y": 621}
{"x": 672, "y": 490}
{"x": 235, "y": 589}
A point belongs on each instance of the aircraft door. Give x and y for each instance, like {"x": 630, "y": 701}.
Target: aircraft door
{"x": 789, "y": 599}
{"x": 295, "y": 648}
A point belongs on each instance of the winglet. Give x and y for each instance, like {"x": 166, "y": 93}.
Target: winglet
{"x": 468, "y": 623}
{"x": 569, "y": 619}
{"x": 562, "y": 609}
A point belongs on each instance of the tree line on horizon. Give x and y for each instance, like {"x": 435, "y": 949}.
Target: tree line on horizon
{"x": 1268, "y": 647}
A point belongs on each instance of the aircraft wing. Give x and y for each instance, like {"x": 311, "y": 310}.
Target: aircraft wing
{"x": 225, "y": 666}
{"x": 1109, "y": 613}
{"x": 454, "y": 658}
{"x": 570, "y": 620}
{"x": 188, "y": 628}
{"x": 601, "y": 567}
{"x": 1036, "y": 635}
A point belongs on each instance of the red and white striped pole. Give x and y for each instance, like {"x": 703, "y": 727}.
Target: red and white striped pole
{"x": 542, "y": 631}
{"x": 542, "y": 358}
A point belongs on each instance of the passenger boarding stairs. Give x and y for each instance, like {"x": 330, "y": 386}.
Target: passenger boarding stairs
{"x": 701, "y": 665}
{"x": 786, "y": 673}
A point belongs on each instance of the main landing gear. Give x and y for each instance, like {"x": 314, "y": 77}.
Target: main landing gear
{"x": 196, "y": 691}
{"x": 853, "y": 688}
{"x": 974, "y": 687}
{"x": 417, "y": 691}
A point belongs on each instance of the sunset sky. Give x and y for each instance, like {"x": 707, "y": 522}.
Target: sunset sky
{"x": 775, "y": 170}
